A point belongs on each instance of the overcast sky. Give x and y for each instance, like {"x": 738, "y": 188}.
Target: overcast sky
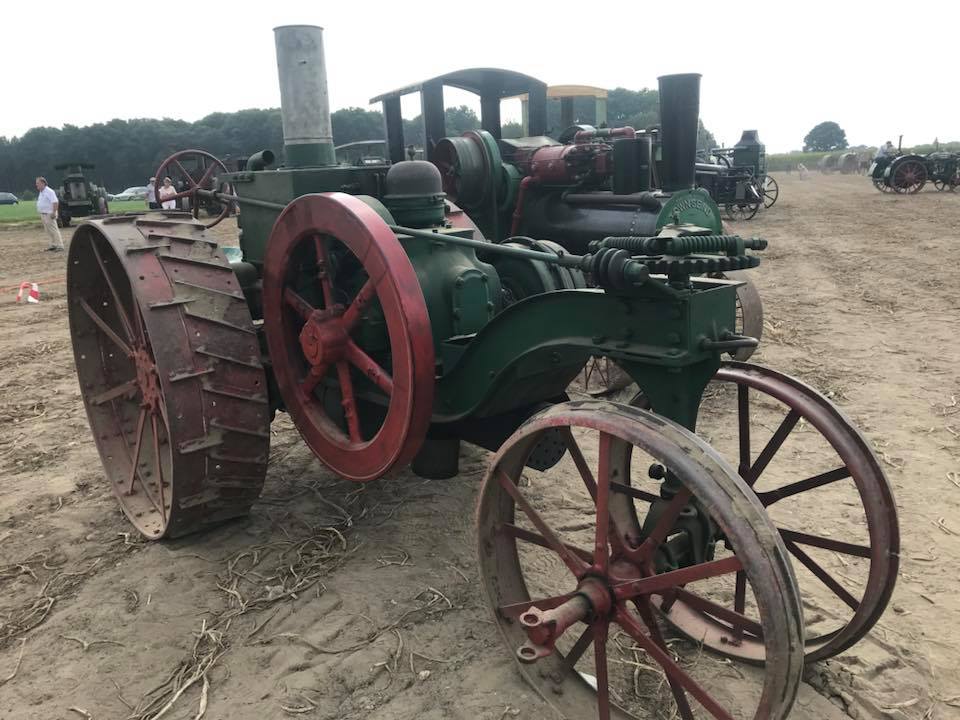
{"x": 878, "y": 69}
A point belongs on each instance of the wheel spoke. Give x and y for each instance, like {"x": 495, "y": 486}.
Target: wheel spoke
{"x": 743, "y": 420}
{"x": 579, "y": 648}
{"x": 206, "y": 176}
{"x": 534, "y": 539}
{"x": 825, "y": 543}
{"x": 186, "y": 175}
{"x": 600, "y": 661}
{"x": 575, "y": 564}
{"x": 771, "y": 448}
{"x": 577, "y": 456}
{"x": 121, "y": 311}
{"x": 106, "y": 329}
{"x": 664, "y": 524}
{"x": 634, "y": 492}
{"x": 601, "y": 549}
{"x": 822, "y": 575}
{"x": 739, "y": 600}
{"x": 352, "y": 314}
{"x": 322, "y": 271}
{"x": 365, "y": 364}
{"x": 348, "y": 402}
{"x": 301, "y": 306}
{"x": 127, "y": 388}
{"x": 676, "y": 578}
{"x": 313, "y": 378}
{"x": 679, "y": 695}
{"x": 515, "y": 610}
{"x": 670, "y": 668}
{"x": 136, "y": 450}
{"x": 736, "y": 618}
{"x": 771, "y": 496}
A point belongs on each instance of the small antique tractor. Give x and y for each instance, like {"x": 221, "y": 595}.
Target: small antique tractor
{"x": 908, "y": 173}
{"x": 78, "y": 196}
{"x": 375, "y": 311}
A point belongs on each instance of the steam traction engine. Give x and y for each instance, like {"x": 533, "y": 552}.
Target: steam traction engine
{"x": 383, "y": 320}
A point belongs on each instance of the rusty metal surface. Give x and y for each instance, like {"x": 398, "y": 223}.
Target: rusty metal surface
{"x": 621, "y": 561}
{"x": 169, "y": 370}
{"x": 308, "y": 341}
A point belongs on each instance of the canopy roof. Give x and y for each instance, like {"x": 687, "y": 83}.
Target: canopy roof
{"x": 481, "y": 81}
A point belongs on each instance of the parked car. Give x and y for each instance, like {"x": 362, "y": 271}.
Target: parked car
{"x": 138, "y": 192}
{"x": 8, "y": 199}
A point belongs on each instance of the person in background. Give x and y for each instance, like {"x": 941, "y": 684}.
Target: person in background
{"x": 152, "y": 194}
{"x": 887, "y": 150}
{"x": 166, "y": 193}
{"x": 49, "y": 206}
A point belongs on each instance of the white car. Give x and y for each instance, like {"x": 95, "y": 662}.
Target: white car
{"x": 138, "y": 192}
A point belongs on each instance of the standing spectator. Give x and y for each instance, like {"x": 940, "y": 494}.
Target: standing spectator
{"x": 152, "y": 194}
{"x": 49, "y": 206}
{"x": 167, "y": 192}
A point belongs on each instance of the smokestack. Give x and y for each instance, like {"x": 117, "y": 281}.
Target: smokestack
{"x": 304, "y": 104}
{"x": 679, "y": 121}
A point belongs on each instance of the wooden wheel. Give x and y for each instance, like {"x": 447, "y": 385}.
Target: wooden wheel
{"x": 576, "y": 582}
{"x": 362, "y": 405}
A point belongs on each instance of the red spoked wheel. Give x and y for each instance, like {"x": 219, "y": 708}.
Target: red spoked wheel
{"x": 908, "y": 176}
{"x": 195, "y": 170}
{"x": 823, "y": 487}
{"x": 349, "y": 335}
{"x": 575, "y": 581}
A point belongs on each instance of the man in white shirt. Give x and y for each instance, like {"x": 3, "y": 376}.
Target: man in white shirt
{"x": 152, "y": 194}
{"x": 48, "y": 206}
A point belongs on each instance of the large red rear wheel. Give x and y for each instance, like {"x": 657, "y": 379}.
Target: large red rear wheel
{"x": 349, "y": 335}
{"x": 169, "y": 369}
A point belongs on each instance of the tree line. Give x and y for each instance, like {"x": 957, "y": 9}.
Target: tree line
{"x": 128, "y": 152}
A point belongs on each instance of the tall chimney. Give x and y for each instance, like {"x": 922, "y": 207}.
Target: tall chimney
{"x": 304, "y": 104}
{"x": 679, "y": 121}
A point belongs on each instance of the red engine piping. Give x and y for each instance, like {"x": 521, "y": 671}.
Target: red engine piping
{"x": 518, "y": 211}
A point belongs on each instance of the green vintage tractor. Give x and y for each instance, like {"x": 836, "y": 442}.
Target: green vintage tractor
{"x": 78, "y": 195}
{"x": 392, "y": 328}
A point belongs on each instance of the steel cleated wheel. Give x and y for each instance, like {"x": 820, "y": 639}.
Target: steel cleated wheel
{"x": 579, "y": 579}
{"x": 360, "y": 393}
{"x": 169, "y": 369}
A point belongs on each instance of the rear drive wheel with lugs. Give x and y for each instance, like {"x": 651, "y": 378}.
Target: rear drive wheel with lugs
{"x": 169, "y": 369}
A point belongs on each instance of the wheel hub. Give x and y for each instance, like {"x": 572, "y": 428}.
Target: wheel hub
{"x": 324, "y": 339}
{"x": 592, "y": 601}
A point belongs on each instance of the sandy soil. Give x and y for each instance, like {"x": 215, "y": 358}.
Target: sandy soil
{"x": 341, "y": 601}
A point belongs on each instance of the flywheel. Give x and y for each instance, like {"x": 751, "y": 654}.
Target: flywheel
{"x": 349, "y": 335}
{"x": 169, "y": 369}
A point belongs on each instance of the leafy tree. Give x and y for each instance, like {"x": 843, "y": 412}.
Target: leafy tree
{"x": 825, "y": 137}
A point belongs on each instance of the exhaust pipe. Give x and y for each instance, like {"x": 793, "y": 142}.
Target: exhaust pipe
{"x": 679, "y": 122}
{"x": 304, "y": 103}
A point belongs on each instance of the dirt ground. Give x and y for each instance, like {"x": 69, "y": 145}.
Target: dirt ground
{"x": 340, "y": 601}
